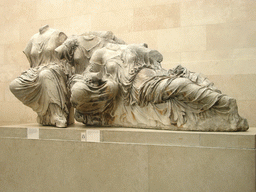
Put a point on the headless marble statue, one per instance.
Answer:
(43, 86)
(112, 83)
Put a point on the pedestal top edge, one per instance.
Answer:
(80, 126)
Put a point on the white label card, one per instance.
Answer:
(93, 135)
(33, 133)
(83, 136)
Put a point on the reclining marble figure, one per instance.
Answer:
(111, 83)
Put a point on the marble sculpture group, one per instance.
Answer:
(110, 83)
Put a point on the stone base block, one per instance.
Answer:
(78, 158)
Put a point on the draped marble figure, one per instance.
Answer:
(43, 86)
(111, 83)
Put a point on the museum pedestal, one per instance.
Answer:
(78, 158)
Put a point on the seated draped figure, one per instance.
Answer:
(43, 86)
(111, 83)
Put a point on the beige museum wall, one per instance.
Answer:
(214, 37)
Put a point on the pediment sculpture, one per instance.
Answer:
(111, 83)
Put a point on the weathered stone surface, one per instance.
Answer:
(111, 83)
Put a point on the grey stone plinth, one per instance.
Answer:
(126, 159)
